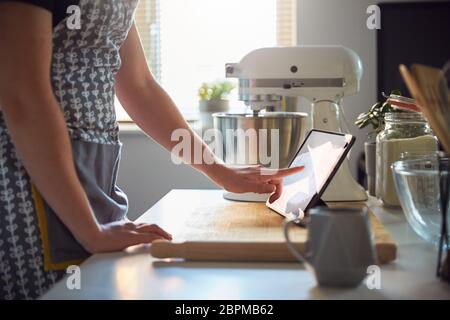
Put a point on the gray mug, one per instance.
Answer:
(339, 248)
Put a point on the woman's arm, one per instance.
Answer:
(156, 114)
(37, 127)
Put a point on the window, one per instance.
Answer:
(188, 42)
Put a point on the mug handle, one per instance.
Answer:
(297, 254)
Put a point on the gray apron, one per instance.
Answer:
(97, 167)
(84, 66)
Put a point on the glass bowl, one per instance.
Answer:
(417, 185)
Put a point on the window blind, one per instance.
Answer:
(148, 21)
(286, 22)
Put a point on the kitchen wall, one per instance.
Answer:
(147, 173)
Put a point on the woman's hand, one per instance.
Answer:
(119, 235)
(252, 179)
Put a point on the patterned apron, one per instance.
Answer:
(35, 246)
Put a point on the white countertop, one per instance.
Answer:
(134, 274)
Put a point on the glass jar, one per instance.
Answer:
(403, 132)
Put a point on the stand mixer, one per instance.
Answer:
(321, 74)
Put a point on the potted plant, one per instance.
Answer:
(213, 98)
(374, 118)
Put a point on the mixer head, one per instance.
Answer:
(314, 72)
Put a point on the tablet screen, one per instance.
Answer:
(321, 155)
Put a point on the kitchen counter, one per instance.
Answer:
(135, 274)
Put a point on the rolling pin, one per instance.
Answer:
(224, 251)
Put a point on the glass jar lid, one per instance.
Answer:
(404, 117)
(403, 103)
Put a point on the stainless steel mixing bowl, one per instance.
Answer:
(273, 136)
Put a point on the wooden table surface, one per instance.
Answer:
(134, 274)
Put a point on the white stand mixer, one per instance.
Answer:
(323, 75)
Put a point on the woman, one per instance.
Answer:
(59, 147)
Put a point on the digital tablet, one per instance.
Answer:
(321, 154)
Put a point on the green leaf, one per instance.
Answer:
(375, 115)
(376, 106)
(361, 116)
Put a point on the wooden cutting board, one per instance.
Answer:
(242, 231)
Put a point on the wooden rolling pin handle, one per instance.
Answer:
(166, 249)
(163, 249)
(223, 251)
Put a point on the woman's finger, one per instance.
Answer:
(267, 174)
(129, 225)
(153, 228)
(280, 173)
(119, 240)
(261, 188)
(144, 237)
(278, 183)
